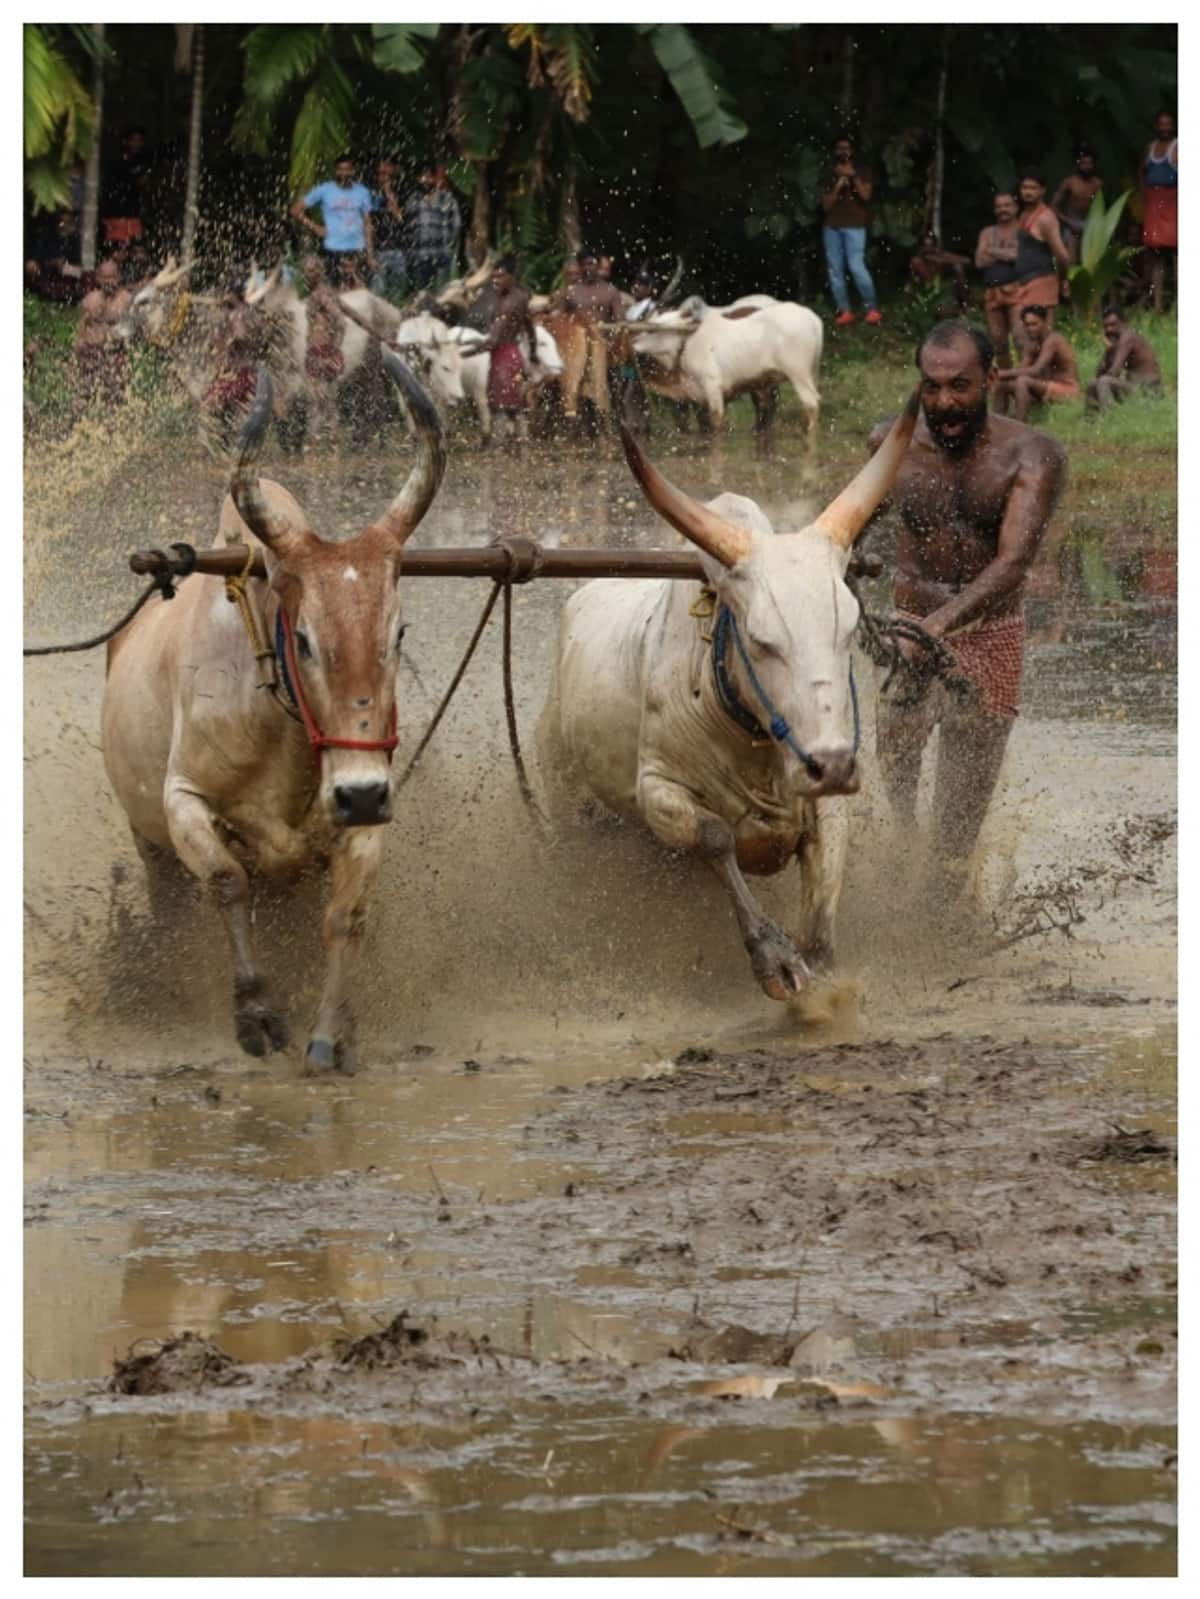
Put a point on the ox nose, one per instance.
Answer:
(839, 771)
(362, 804)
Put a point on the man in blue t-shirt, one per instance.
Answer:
(345, 229)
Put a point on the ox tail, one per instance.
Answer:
(844, 518)
(720, 539)
(417, 495)
(264, 520)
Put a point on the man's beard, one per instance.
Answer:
(972, 426)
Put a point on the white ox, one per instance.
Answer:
(207, 766)
(710, 354)
(733, 752)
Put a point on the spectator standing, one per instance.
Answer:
(1020, 257)
(845, 202)
(1128, 362)
(1073, 200)
(124, 195)
(345, 229)
(1160, 202)
(433, 226)
(388, 222)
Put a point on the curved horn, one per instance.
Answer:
(722, 540)
(844, 518)
(414, 499)
(267, 525)
(676, 278)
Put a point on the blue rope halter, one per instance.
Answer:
(777, 726)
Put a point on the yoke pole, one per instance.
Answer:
(525, 560)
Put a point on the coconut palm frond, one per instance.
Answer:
(57, 106)
(323, 125)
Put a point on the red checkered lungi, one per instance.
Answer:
(324, 363)
(991, 654)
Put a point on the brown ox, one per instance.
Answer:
(206, 765)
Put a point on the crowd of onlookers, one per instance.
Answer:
(397, 243)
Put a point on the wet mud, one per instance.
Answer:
(603, 1264)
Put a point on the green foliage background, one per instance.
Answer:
(650, 138)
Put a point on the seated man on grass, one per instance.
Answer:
(1048, 371)
(1128, 362)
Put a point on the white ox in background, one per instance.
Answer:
(733, 752)
(208, 767)
(710, 354)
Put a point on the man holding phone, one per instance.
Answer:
(845, 202)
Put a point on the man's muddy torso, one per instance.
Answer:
(101, 313)
(951, 508)
(595, 302)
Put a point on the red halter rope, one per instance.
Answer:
(316, 738)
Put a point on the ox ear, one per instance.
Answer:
(280, 535)
(401, 518)
(844, 518)
(711, 533)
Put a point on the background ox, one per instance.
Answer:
(208, 766)
(637, 717)
(710, 354)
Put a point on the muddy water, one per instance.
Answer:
(940, 1285)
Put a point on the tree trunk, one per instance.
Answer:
(939, 146)
(191, 202)
(846, 105)
(570, 231)
(481, 217)
(91, 173)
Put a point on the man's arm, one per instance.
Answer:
(864, 187)
(983, 249)
(298, 211)
(829, 195)
(1031, 500)
(369, 236)
(1051, 235)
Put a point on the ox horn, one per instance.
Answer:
(668, 293)
(415, 498)
(843, 519)
(720, 539)
(265, 522)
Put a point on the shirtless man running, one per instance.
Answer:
(1047, 372)
(1128, 362)
(975, 494)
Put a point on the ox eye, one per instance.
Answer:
(304, 647)
(400, 632)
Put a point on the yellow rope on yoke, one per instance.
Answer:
(264, 655)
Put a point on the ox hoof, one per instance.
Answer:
(778, 965)
(325, 1055)
(260, 1030)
